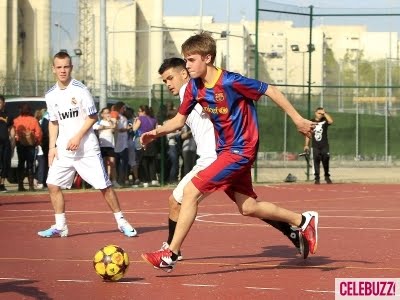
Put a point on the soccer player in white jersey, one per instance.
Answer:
(74, 147)
(175, 76)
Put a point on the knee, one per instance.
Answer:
(248, 208)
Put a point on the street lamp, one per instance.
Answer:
(310, 48)
(296, 49)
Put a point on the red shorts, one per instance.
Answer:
(229, 172)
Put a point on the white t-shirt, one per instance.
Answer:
(203, 133)
(106, 136)
(70, 107)
(121, 140)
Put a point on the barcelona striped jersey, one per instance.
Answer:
(229, 103)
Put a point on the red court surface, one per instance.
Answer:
(226, 255)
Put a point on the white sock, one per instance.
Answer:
(119, 217)
(60, 221)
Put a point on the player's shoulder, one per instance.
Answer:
(52, 89)
(77, 84)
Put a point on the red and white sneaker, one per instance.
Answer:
(160, 259)
(165, 245)
(310, 230)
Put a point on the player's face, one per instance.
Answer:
(174, 79)
(197, 65)
(62, 68)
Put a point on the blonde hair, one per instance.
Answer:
(202, 44)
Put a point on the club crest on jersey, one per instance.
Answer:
(219, 97)
(73, 101)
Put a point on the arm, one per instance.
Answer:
(328, 118)
(53, 133)
(173, 124)
(307, 144)
(38, 132)
(73, 143)
(303, 126)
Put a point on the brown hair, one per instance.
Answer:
(202, 44)
(62, 55)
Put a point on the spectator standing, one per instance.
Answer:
(121, 143)
(28, 136)
(320, 144)
(7, 143)
(146, 157)
(105, 133)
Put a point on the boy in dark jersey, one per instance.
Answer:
(228, 99)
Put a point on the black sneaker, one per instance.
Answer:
(3, 188)
(299, 242)
(316, 181)
(328, 180)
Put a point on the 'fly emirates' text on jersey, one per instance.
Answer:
(70, 107)
(229, 103)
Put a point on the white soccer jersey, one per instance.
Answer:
(203, 133)
(70, 107)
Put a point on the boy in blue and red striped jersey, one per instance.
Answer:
(228, 99)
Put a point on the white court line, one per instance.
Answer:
(262, 288)
(200, 219)
(73, 280)
(10, 278)
(317, 291)
(200, 285)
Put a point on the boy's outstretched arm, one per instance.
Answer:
(304, 126)
(173, 124)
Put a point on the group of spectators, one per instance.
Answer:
(28, 133)
(119, 130)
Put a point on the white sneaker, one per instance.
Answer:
(155, 183)
(165, 246)
(126, 228)
(145, 184)
(39, 186)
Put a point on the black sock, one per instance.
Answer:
(303, 220)
(174, 256)
(171, 230)
(281, 226)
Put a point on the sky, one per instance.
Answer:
(63, 10)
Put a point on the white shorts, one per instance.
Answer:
(91, 169)
(178, 191)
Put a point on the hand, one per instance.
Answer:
(306, 148)
(148, 137)
(305, 127)
(52, 154)
(73, 143)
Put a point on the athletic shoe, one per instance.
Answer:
(328, 180)
(127, 228)
(53, 231)
(136, 184)
(116, 185)
(296, 237)
(165, 246)
(316, 181)
(3, 188)
(310, 230)
(161, 259)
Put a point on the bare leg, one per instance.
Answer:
(187, 215)
(57, 198)
(174, 208)
(265, 210)
(112, 200)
